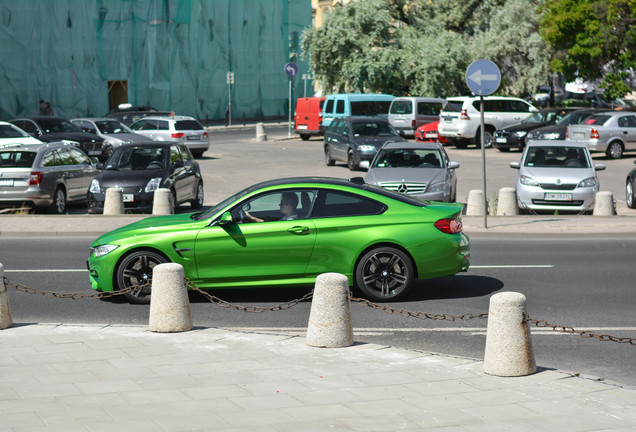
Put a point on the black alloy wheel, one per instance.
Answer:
(135, 270)
(384, 274)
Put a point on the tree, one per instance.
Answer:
(423, 48)
(592, 39)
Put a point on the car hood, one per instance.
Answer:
(152, 225)
(130, 137)
(377, 141)
(523, 127)
(420, 175)
(81, 137)
(563, 175)
(127, 178)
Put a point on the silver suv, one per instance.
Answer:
(44, 175)
(181, 129)
(460, 118)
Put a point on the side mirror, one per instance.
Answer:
(599, 167)
(178, 164)
(100, 165)
(453, 165)
(514, 165)
(226, 219)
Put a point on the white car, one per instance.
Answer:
(460, 118)
(556, 176)
(11, 134)
(181, 129)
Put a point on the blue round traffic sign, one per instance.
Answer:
(291, 69)
(483, 77)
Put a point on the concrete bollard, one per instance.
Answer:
(113, 202)
(169, 303)
(5, 310)
(330, 316)
(604, 204)
(162, 202)
(508, 345)
(475, 205)
(507, 202)
(260, 132)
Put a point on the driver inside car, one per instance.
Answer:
(288, 208)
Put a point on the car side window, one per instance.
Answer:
(143, 125)
(30, 128)
(185, 153)
(174, 154)
(338, 204)
(340, 106)
(329, 106)
(65, 157)
(49, 158)
(163, 125)
(627, 121)
(289, 204)
(518, 106)
(79, 157)
(429, 108)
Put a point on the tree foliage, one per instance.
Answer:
(423, 47)
(592, 39)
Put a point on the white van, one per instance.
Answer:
(406, 114)
(460, 119)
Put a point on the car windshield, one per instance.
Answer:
(112, 127)
(408, 158)
(372, 128)
(16, 159)
(575, 117)
(10, 131)
(137, 158)
(212, 210)
(57, 125)
(536, 118)
(556, 157)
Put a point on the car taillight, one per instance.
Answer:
(465, 115)
(413, 123)
(178, 135)
(567, 132)
(594, 134)
(205, 134)
(35, 178)
(449, 226)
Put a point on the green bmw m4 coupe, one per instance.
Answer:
(285, 233)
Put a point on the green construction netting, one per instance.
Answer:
(172, 54)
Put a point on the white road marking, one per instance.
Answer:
(46, 271)
(477, 331)
(512, 266)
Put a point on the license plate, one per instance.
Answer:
(501, 140)
(94, 152)
(558, 197)
(302, 127)
(6, 182)
(194, 138)
(431, 135)
(448, 120)
(128, 197)
(578, 135)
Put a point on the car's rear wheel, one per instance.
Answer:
(614, 150)
(304, 137)
(173, 201)
(630, 194)
(384, 274)
(135, 270)
(328, 159)
(197, 202)
(59, 201)
(351, 161)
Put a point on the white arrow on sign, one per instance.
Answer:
(478, 77)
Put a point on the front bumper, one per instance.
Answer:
(538, 199)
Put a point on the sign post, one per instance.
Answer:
(291, 70)
(305, 78)
(230, 81)
(483, 79)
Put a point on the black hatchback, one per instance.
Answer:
(356, 140)
(51, 129)
(140, 169)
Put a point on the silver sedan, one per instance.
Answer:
(612, 133)
(556, 176)
(421, 170)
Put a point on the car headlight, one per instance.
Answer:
(102, 250)
(521, 134)
(153, 184)
(588, 182)
(366, 148)
(95, 187)
(436, 187)
(528, 181)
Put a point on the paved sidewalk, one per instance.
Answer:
(125, 378)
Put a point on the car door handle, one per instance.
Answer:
(299, 230)
(625, 132)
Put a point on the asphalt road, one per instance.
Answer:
(581, 283)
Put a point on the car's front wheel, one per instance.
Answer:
(614, 150)
(384, 274)
(135, 270)
(328, 159)
(351, 161)
(630, 194)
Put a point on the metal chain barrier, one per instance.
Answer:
(250, 309)
(288, 305)
(73, 296)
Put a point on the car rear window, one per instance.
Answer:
(16, 159)
(182, 125)
(402, 107)
(597, 120)
(453, 106)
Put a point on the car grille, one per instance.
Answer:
(405, 187)
(552, 186)
(92, 145)
(559, 203)
(502, 134)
